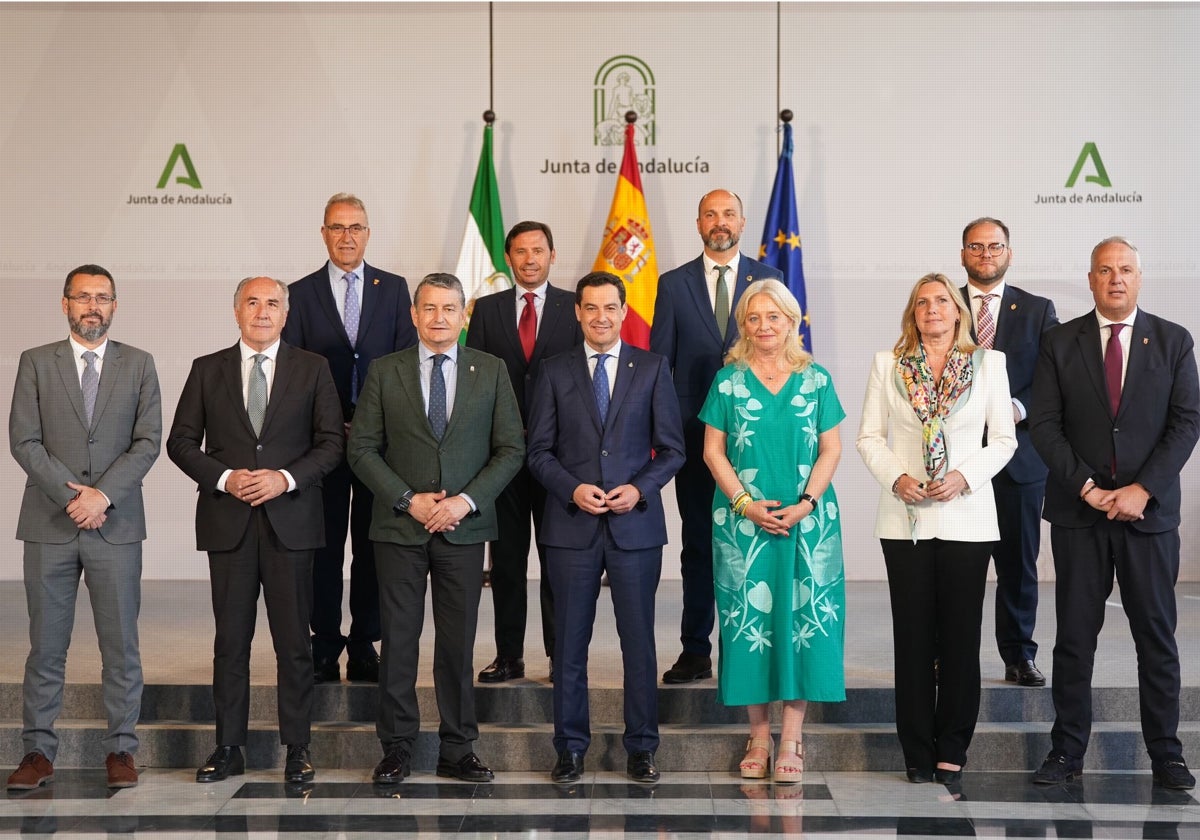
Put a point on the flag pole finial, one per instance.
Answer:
(489, 116)
(786, 115)
(631, 117)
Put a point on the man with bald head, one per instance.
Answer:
(1115, 416)
(258, 426)
(694, 328)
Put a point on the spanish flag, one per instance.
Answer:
(627, 249)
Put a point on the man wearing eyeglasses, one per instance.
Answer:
(1012, 320)
(351, 313)
(85, 426)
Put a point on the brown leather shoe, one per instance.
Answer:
(122, 771)
(34, 771)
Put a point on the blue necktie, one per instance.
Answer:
(90, 383)
(351, 320)
(437, 397)
(600, 386)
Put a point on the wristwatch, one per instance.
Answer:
(403, 503)
(805, 497)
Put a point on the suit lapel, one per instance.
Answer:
(1088, 342)
(553, 311)
(368, 304)
(743, 281)
(70, 377)
(583, 381)
(1006, 319)
(697, 286)
(1135, 369)
(626, 371)
(231, 372)
(505, 311)
(108, 375)
(410, 380)
(466, 374)
(284, 367)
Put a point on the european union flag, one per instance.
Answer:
(781, 234)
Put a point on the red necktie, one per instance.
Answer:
(527, 326)
(1113, 358)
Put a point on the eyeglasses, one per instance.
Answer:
(993, 248)
(353, 230)
(84, 299)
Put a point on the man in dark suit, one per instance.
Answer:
(522, 329)
(85, 427)
(604, 437)
(437, 437)
(257, 427)
(694, 328)
(351, 313)
(1115, 416)
(1012, 320)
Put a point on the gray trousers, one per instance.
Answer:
(113, 574)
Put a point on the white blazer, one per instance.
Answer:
(972, 516)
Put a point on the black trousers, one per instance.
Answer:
(1019, 514)
(1146, 567)
(456, 575)
(522, 498)
(347, 505)
(286, 581)
(936, 589)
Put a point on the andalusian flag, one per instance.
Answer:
(628, 248)
(781, 234)
(481, 266)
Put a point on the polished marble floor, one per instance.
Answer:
(344, 804)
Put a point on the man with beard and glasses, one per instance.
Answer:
(1009, 319)
(694, 328)
(85, 426)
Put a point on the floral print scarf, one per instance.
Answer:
(933, 402)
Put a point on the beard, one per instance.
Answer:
(989, 275)
(721, 239)
(90, 332)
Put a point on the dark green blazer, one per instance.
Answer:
(393, 450)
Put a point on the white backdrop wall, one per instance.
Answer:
(910, 120)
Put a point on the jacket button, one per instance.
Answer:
(258, 447)
(604, 452)
(84, 473)
(91, 440)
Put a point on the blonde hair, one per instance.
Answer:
(910, 339)
(793, 348)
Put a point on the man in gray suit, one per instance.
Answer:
(85, 426)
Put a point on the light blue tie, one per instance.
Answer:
(437, 397)
(256, 399)
(90, 383)
(350, 318)
(600, 386)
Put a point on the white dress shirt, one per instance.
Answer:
(248, 354)
(710, 279)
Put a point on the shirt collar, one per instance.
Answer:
(539, 292)
(710, 264)
(249, 352)
(336, 274)
(425, 354)
(613, 352)
(78, 349)
(1128, 320)
(997, 290)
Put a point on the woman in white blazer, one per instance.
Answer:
(930, 400)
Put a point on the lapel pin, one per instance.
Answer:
(749, 279)
(1013, 307)
(1145, 341)
(376, 282)
(631, 364)
(472, 368)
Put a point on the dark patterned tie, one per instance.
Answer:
(721, 310)
(90, 383)
(350, 318)
(600, 386)
(437, 397)
(986, 327)
(256, 398)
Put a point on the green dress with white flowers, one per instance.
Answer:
(780, 599)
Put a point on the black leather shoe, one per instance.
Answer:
(363, 670)
(689, 667)
(1025, 673)
(1173, 775)
(568, 769)
(467, 769)
(298, 767)
(918, 776)
(944, 776)
(1058, 768)
(223, 763)
(395, 767)
(503, 668)
(641, 768)
(326, 669)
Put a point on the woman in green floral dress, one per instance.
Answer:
(772, 444)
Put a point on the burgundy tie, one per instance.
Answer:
(985, 328)
(527, 326)
(1113, 357)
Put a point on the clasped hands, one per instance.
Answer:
(910, 491)
(1125, 504)
(768, 515)
(591, 499)
(437, 512)
(255, 487)
(87, 509)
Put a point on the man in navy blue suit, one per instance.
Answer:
(1009, 319)
(694, 328)
(604, 437)
(1115, 415)
(351, 313)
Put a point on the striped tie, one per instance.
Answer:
(986, 328)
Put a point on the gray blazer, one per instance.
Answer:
(50, 441)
